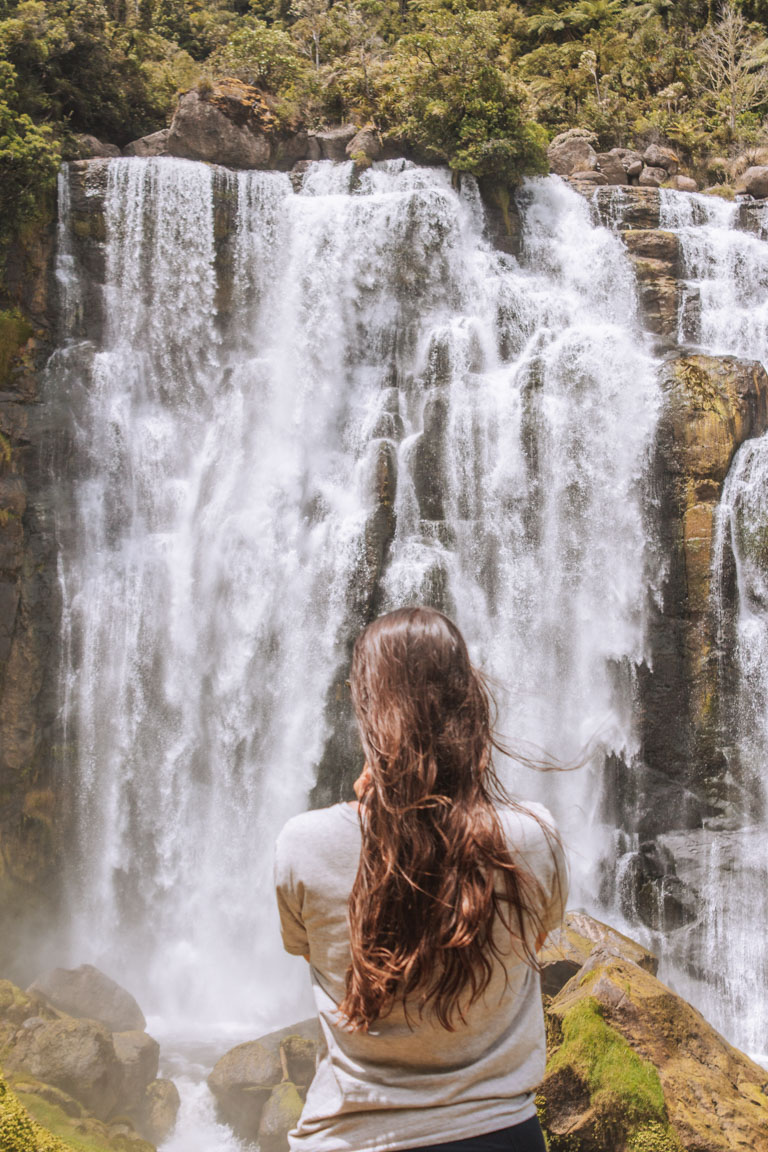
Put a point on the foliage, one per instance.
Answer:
(478, 83)
(446, 93)
(18, 1131)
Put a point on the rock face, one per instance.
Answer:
(656, 258)
(30, 790)
(259, 1086)
(712, 406)
(87, 992)
(631, 1066)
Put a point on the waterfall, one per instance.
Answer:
(725, 311)
(343, 400)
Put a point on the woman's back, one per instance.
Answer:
(408, 1080)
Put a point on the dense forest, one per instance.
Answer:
(481, 84)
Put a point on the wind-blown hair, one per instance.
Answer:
(435, 871)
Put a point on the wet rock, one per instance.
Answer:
(654, 244)
(653, 177)
(365, 144)
(629, 207)
(160, 1109)
(90, 147)
(243, 1080)
(572, 151)
(655, 255)
(664, 158)
(77, 1056)
(754, 181)
(281, 1113)
(570, 946)
(502, 218)
(155, 144)
(87, 992)
(230, 124)
(333, 142)
(632, 1065)
(712, 405)
(138, 1055)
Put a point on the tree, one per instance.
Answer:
(448, 95)
(732, 63)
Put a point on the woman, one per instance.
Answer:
(420, 910)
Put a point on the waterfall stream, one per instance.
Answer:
(351, 402)
(725, 311)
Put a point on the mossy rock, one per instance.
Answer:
(15, 330)
(63, 1121)
(633, 1068)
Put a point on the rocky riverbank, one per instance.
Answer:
(77, 1062)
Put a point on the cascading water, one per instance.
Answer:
(230, 431)
(725, 311)
(223, 497)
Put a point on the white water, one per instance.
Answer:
(224, 478)
(727, 271)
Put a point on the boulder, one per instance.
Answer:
(633, 1066)
(333, 142)
(365, 144)
(87, 992)
(154, 145)
(684, 184)
(138, 1055)
(90, 147)
(229, 124)
(754, 181)
(77, 1056)
(161, 1106)
(243, 1080)
(651, 177)
(570, 946)
(657, 157)
(633, 163)
(612, 167)
(281, 1113)
(572, 151)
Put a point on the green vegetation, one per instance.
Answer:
(18, 1131)
(625, 1090)
(481, 84)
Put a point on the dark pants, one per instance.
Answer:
(525, 1137)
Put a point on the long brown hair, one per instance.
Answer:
(435, 871)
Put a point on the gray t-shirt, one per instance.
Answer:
(410, 1083)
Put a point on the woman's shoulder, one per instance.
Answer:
(317, 829)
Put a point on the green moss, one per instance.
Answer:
(14, 331)
(78, 1134)
(625, 1090)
